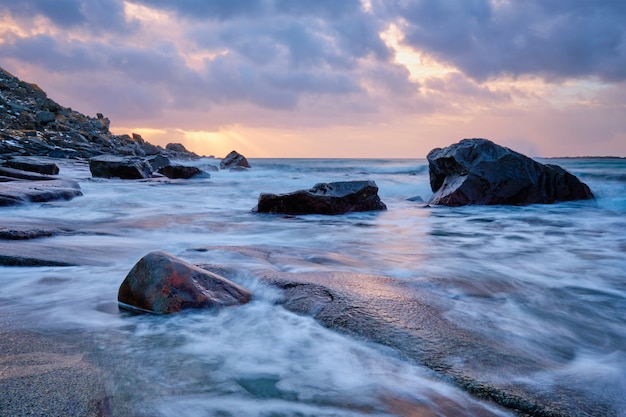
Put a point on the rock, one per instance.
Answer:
(33, 165)
(325, 198)
(111, 166)
(44, 117)
(158, 161)
(478, 171)
(161, 283)
(137, 138)
(175, 147)
(20, 192)
(23, 175)
(179, 171)
(234, 160)
(179, 151)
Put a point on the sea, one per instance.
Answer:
(546, 280)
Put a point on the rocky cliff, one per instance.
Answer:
(33, 124)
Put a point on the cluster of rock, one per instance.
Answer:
(24, 180)
(133, 168)
(33, 124)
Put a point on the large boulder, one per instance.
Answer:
(324, 198)
(478, 171)
(112, 166)
(161, 283)
(180, 171)
(234, 160)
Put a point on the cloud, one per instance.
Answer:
(431, 65)
(553, 39)
(94, 16)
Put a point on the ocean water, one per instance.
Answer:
(547, 280)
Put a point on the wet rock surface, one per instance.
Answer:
(413, 320)
(21, 192)
(478, 171)
(161, 283)
(414, 323)
(324, 198)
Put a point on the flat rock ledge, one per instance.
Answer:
(22, 192)
(160, 283)
(324, 198)
(414, 323)
(478, 171)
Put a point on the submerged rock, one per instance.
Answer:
(478, 171)
(180, 171)
(20, 192)
(324, 198)
(161, 283)
(111, 166)
(234, 161)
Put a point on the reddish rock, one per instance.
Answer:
(161, 283)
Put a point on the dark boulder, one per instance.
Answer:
(478, 171)
(180, 171)
(161, 283)
(20, 192)
(111, 166)
(325, 198)
(33, 165)
(234, 160)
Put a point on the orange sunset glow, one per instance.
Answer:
(326, 79)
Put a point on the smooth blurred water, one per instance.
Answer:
(549, 279)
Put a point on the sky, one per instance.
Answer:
(333, 78)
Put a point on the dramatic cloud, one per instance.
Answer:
(556, 39)
(423, 72)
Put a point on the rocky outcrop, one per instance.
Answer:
(324, 198)
(111, 166)
(234, 161)
(161, 283)
(33, 124)
(180, 171)
(27, 180)
(478, 171)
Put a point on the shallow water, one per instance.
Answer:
(545, 279)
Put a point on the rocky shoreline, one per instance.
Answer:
(34, 130)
